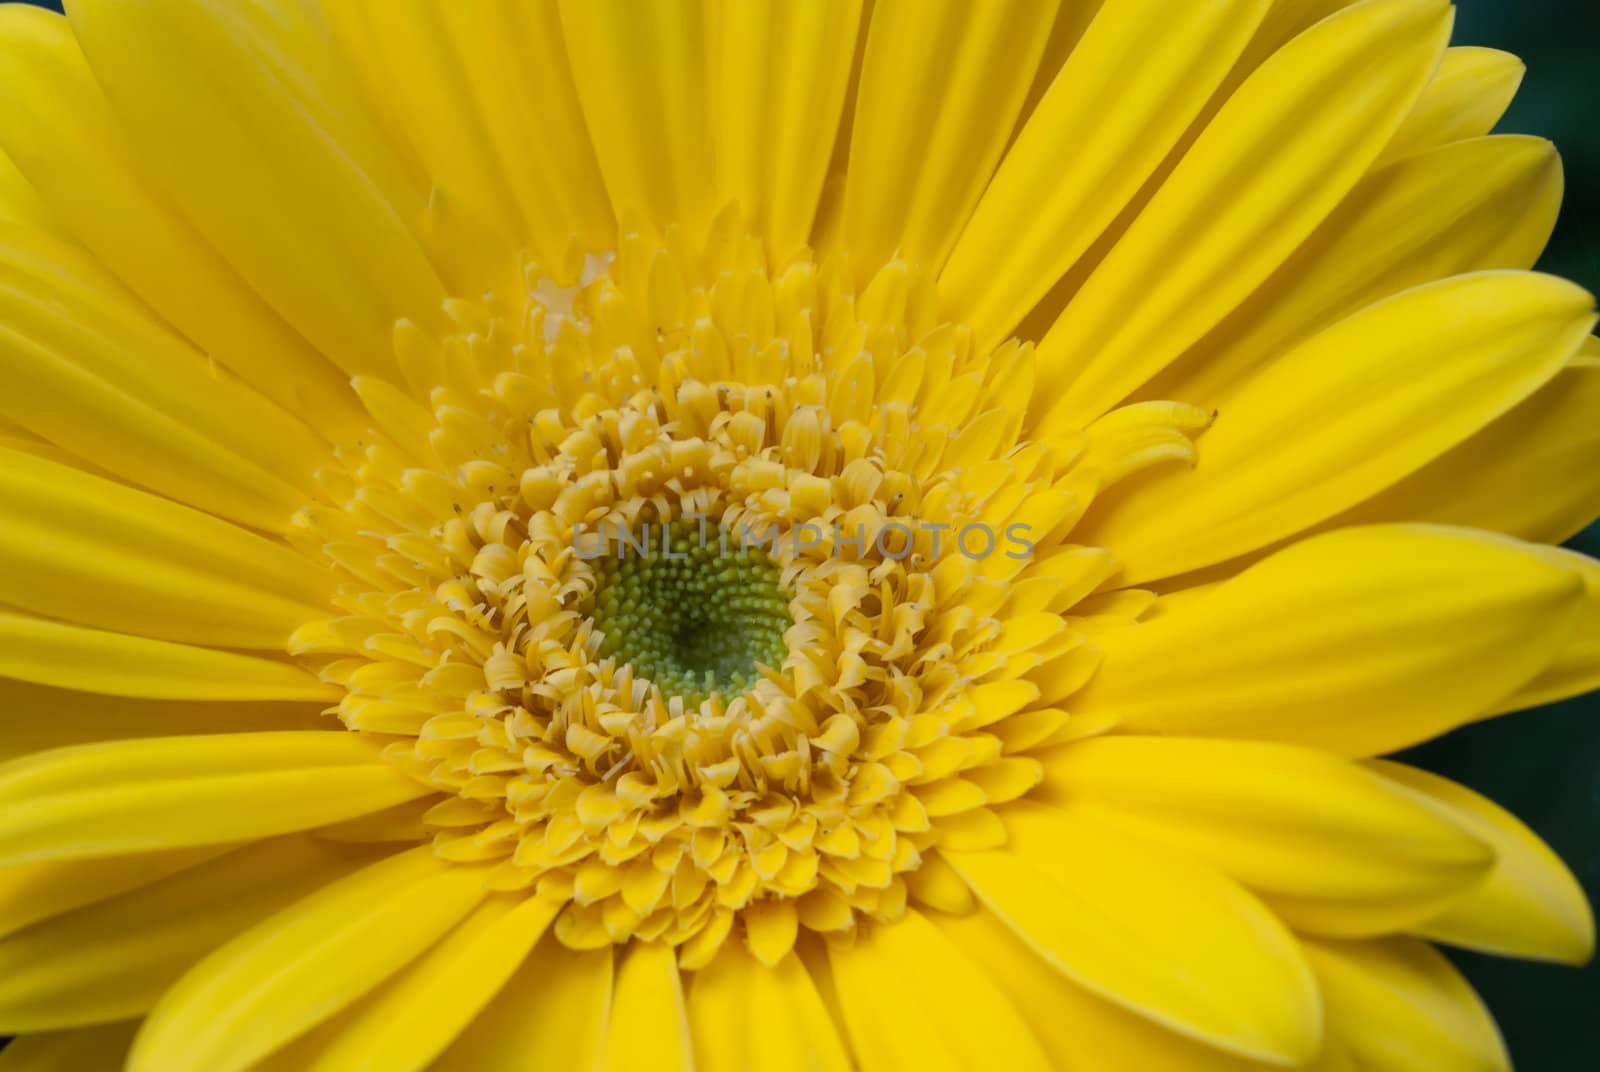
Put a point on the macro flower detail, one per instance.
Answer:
(774, 535)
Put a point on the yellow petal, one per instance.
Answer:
(1534, 473)
(552, 1014)
(1360, 641)
(770, 927)
(25, 442)
(1273, 163)
(514, 57)
(642, 79)
(746, 1015)
(60, 133)
(305, 963)
(271, 162)
(431, 83)
(1150, 930)
(297, 1055)
(649, 1026)
(290, 44)
(1331, 848)
(1135, 81)
(114, 959)
(1070, 24)
(19, 201)
(782, 71)
(173, 792)
(84, 1049)
(1077, 1029)
(89, 550)
(911, 998)
(1347, 414)
(1530, 907)
(1468, 94)
(1398, 1006)
(1287, 20)
(1576, 667)
(49, 653)
(1465, 207)
(939, 886)
(941, 83)
(88, 368)
(407, 1023)
(37, 718)
(31, 892)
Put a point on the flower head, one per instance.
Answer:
(772, 535)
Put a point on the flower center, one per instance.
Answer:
(693, 612)
(677, 740)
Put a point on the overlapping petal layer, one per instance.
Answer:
(328, 329)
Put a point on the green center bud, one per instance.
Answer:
(694, 618)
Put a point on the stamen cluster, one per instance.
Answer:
(692, 615)
(772, 737)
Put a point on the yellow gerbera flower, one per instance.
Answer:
(773, 535)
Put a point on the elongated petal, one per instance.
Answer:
(1072, 1024)
(1534, 473)
(173, 792)
(642, 79)
(19, 201)
(519, 69)
(1131, 86)
(90, 550)
(1397, 1006)
(37, 718)
(1273, 163)
(414, 1017)
(113, 959)
(291, 48)
(649, 1025)
(1468, 94)
(75, 1050)
(15, 437)
(746, 1015)
(1360, 641)
(31, 892)
(941, 83)
(910, 998)
(1286, 21)
(1333, 849)
(59, 130)
(271, 162)
(49, 653)
(1347, 414)
(88, 368)
(512, 55)
(1150, 930)
(1531, 906)
(1576, 667)
(1470, 206)
(782, 73)
(431, 85)
(552, 1014)
(305, 963)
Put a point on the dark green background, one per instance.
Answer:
(1544, 765)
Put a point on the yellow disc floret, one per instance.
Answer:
(715, 594)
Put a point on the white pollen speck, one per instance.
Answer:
(595, 266)
(559, 301)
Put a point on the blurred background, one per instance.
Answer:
(1543, 765)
